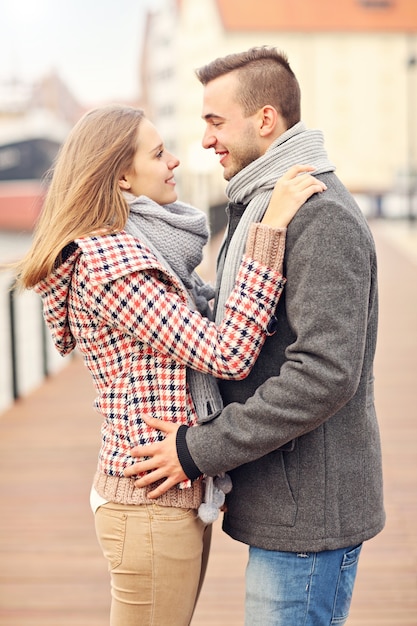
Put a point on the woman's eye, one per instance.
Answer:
(159, 154)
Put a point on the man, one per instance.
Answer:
(299, 436)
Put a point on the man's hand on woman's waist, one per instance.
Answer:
(161, 460)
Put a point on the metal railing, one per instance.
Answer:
(13, 334)
(27, 353)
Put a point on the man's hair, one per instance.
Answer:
(265, 77)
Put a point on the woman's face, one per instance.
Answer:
(152, 172)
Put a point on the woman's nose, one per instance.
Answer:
(173, 162)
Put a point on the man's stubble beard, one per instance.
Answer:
(243, 153)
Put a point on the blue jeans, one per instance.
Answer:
(304, 589)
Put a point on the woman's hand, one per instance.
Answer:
(290, 193)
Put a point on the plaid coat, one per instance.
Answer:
(129, 318)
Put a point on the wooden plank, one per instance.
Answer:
(52, 571)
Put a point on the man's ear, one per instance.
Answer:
(269, 119)
(124, 184)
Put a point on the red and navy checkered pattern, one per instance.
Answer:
(129, 318)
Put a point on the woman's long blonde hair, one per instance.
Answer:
(84, 195)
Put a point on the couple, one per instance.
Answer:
(298, 434)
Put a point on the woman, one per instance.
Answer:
(113, 258)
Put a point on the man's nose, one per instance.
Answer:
(208, 139)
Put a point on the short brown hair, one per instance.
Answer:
(265, 76)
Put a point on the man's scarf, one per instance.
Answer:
(253, 187)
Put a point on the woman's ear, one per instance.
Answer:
(124, 184)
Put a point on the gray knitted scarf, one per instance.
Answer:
(253, 187)
(176, 233)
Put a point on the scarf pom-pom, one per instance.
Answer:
(223, 482)
(208, 512)
(215, 490)
(218, 498)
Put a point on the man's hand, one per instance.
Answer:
(163, 461)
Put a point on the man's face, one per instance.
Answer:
(232, 136)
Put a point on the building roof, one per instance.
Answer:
(319, 15)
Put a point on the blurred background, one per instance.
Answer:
(356, 61)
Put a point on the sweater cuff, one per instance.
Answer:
(267, 245)
(184, 456)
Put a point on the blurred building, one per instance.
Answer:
(34, 120)
(355, 61)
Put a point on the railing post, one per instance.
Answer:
(45, 360)
(13, 341)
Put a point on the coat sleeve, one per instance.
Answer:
(328, 268)
(147, 308)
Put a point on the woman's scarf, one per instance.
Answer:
(253, 187)
(176, 233)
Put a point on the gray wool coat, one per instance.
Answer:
(300, 436)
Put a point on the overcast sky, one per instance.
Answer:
(94, 45)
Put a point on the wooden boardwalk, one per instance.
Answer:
(51, 570)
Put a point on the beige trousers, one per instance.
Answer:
(157, 558)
